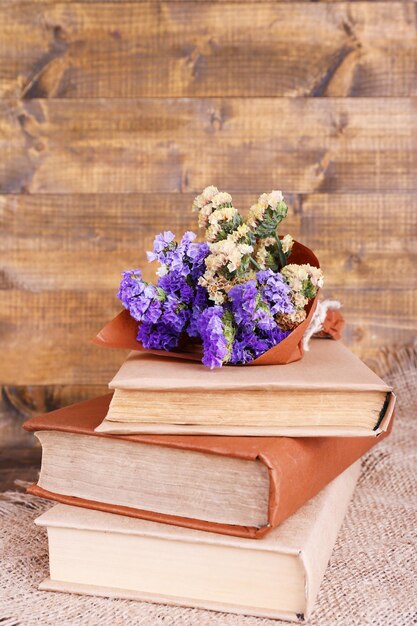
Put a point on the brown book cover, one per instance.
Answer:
(298, 468)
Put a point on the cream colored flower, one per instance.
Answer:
(316, 277)
(261, 251)
(287, 243)
(214, 262)
(244, 248)
(215, 286)
(304, 281)
(241, 232)
(289, 321)
(263, 201)
(256, 214)
(231, 250)
(212, 232)
(274, 198)
(223, 214)
(209, 193)
(221, 198)
(204, 206)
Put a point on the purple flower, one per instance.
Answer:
(184, 258)
(157, 337)
(196, 254)
(200, 304)
(187, 238)
(244, 299)
(175, 284)
(131, 285)
(247, 347)
(215, 345)
(160, 245)
(249, 311)
(257, 330)
(175, 314)
(278, 335)
(139, 297)
(275, 292)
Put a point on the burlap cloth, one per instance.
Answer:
(371, 578)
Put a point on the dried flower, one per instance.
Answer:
(289, 321)
(287, 243)
(211, 290)
(203, 204)
(265, 216)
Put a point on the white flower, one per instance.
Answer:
(244, 248)
(287, 243)
(224, 214)
(212, 232)
(162, 270)
(240, 232)
(274, 198)
(256, 214)
(301, 278)
(263, 201)
(209, 193)
(230, 251)
(221, 198)
(205, 198)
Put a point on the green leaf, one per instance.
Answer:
(160, 294)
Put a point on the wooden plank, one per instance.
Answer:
(201, 2)
(52, 346)
(168, 145)
(364, 241)
(178, 49)
(83, 242)
(19, 403)
(377, 318)
(18, 464)
(63, 255)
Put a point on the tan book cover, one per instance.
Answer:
(295, 470)
(329, 392)
(108, 555)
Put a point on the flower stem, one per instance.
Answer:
(281, 255)
(254, 263)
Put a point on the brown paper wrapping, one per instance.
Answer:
(332, 325)
(298, 467)
(121, 332)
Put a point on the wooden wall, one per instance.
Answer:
(113, 115)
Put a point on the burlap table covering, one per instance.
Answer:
(371, 578)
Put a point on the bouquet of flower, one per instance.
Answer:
(235, 292)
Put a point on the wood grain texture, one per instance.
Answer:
(179, 49)
(19, 466)
(63, 256)
(114, 114)
(166, 145)
(19, 403)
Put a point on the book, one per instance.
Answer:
(329, 392)
(241, 486)
(98, 553)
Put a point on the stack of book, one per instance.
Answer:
(216, 489)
